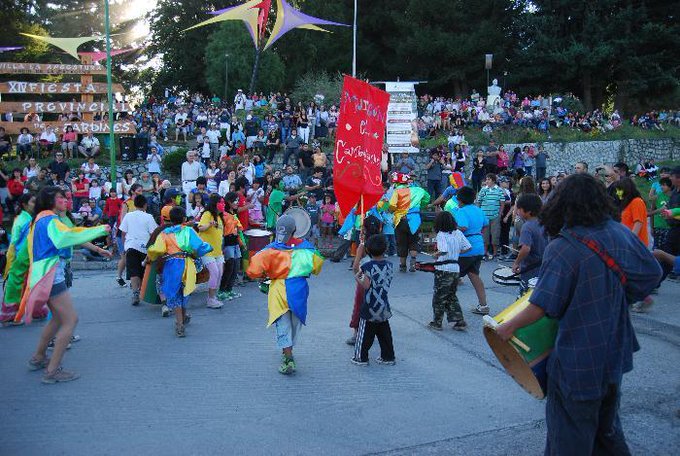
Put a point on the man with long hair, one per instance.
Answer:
(592, 270)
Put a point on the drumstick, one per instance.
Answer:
(493, 324)
(510, 248)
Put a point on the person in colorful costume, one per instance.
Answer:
(406, 202)
(49, 247)
(177, 246)
(17, 265)
(288, 262)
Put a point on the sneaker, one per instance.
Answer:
(385, 362)
(222, 296)
(165, 311)
(234, 295)
(179, 330)
(402, 268)
(434, 325)
(359, 362)
(9, 323)
(187, 318)
(459, 325)
(412, 266)
(135, 298)
(35, 365)
(642, 306)
(287, 366)
(50, 346)
(121, 282)
(351, 341)
(214, 304)
(59, 376)
(75, 338)
(481, 310)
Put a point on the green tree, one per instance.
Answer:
(444, 41)
(232, 37)
(183, 63)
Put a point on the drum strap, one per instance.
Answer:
(594, 246)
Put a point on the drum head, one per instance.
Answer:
(505, 276)
(303, 224)
(514, 364)
(255, 232)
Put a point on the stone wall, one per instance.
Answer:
(564, 155)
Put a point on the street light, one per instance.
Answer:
(226, 75)
(109, 93)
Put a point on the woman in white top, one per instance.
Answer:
(123, 187)
(247, 169)
(47, 139)
(32, 169)
(24, 144)
(154, 161)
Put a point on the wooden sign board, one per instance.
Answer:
(41, 88)
(119, 128)
(49, 68)
(57, 107)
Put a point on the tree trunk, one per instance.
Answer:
(587, 91)
(256, 67)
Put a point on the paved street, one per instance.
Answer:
(217, 391)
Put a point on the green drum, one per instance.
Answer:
(525, 356)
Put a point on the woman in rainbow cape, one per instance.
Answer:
(17, 265)
(405, 203)
(49, 247)
(288, 262)
(177, 246)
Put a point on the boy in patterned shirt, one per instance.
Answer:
(375, 276)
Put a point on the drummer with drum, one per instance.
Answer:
(592, 270)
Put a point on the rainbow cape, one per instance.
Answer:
(49, 240)
(288, 267)
(406, 202)
(17, 265)
(178, 270)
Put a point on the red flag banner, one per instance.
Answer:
(358, 144)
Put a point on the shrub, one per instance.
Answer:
(172, 161)
(318, 83)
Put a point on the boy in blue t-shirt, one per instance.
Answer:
(532, 240)
(374, 276)
(472, 222)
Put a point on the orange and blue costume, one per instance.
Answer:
(288, 265)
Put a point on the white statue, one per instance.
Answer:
(493, 100)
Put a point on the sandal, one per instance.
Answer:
(459, 325)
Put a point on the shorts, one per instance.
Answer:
(58, 288)
(469, 265)
(406, 241)
(494, 232)
(133, 263)
(288, 327)
(62, 278)
(231, 252)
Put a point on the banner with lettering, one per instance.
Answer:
(358, 145)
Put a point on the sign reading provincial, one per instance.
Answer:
(49, 68)
(40, 88)
(57, 107)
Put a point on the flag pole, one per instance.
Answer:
(354, 42)
(109, 92)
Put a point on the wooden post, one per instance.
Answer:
(85, 80)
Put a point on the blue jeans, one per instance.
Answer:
(391, 244)
(584, 427)
(284, 134)
(529, 170)
(288, 153)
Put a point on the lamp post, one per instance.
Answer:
(226, 76)
(109, 92)
(354, 42)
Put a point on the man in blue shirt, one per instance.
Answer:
(472, 222)
(591, 271)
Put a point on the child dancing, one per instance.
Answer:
(177, 246)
